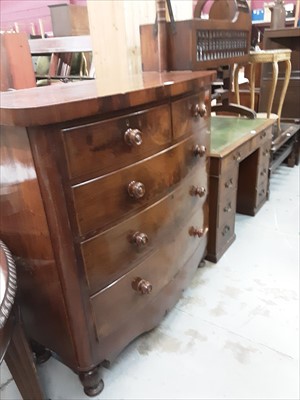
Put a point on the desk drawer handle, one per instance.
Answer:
(197, 191)
(229, 184)
(263, 172)
(199, 150)
(133, 137)
(140, 239)
(266, 153)
(263, 135)
(136, 189)
(225, 230)
(199, 110)
(237, 157)
(261, 193)
(227, 208)
(141, 286)
(198, 231)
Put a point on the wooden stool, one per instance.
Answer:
(267, 56)
(14, 347)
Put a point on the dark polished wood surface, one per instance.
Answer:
(107, 226)
(67, 102)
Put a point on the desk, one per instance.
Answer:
(238, 177)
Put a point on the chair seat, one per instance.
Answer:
(265, 115)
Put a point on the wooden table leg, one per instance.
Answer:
(252, 84)
(236, 83)
(273, 88)
(288, 68)
(21, 365)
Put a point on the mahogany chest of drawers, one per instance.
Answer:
(104, 205)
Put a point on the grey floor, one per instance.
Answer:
(233, 335)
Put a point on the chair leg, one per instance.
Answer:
(20, 362)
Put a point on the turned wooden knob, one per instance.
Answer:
(136, 189)
(197, 191)
(133, 137)
(197, 231)
(237, 156)
(229, 183)
(199, 150)
(140, 239)
(199, 110)
(141, 286)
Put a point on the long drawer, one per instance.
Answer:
(140, 286)
(112, 253)
(105, 200)
(111, 144)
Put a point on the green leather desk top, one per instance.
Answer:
(228, 131)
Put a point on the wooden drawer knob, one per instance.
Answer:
(140, 239)
(263, 134)
(199, 110)
(228, 207)
(141, 286)
(198, 231)
(263, 172)
(229, 183)
(197, 191)
(225, 230)
(199, 150)
(133, 137)
(237, 156)
(136, 189)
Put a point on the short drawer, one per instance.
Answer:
(263, 173)
(111, 144)
(225, 232)
(101, 202)
(132, 292)
(191, 114)
(227, 208)
(263, 137)
(264, 153)
(261, 192)
(228, 183)
(112, 253)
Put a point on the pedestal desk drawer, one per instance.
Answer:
(264, 154)
(111, 254)
(227, 209)
(105, 200)
(226, 231)
(191, 114)
(261, 192)
(138, 287)
(110, 144)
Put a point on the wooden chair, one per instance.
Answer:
(14, 348)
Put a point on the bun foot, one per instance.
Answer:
(92, 382)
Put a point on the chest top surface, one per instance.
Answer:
(66, 102)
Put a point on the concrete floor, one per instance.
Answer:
(233, 335)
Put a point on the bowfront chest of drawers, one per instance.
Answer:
(238, 182)
(104, 205)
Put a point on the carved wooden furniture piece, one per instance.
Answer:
(106, 209)
(14, 348)
(238, 181)
(273, 57)
(202, 44)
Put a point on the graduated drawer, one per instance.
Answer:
(120, 300)
(112, 253)
(103, 201)
(227, 208)
(264, 154)
(225, 232)
(191, 114)
(110, 144)
(261, 192)
(228, 183)
(263, 172)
